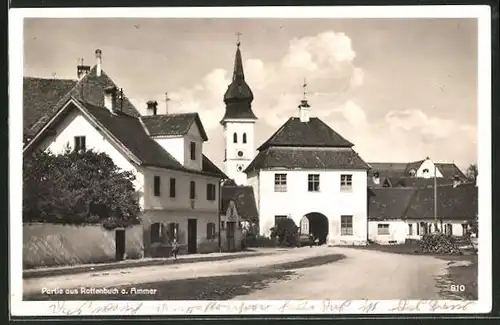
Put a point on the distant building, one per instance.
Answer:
(178, 185)
(397, 214)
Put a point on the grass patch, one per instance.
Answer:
(207, 288)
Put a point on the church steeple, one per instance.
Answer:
(238, 97)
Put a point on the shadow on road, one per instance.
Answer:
(295, 265)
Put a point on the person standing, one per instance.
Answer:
(175, 247)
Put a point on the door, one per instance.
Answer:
(192, 233)
(231, 227)
(120, 244)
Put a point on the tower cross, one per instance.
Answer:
(167, 99)
(238, 34)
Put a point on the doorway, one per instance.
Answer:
(231, 227)
(120, 244)
(192, 233)
(317, 226)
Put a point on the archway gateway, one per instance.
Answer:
(315, 224)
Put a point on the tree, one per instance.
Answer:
(472, 172)
(78, 188)
(286, 233)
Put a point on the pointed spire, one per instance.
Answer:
(238, 73)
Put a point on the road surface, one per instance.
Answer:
(316, 273)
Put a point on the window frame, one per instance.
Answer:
(244, 138)
(280, 182)
(383, 229)
(192, 150)
(79, 143)
(211, 192)
(279, 217)
(172, 187)
(410, 229)
(345, 230)
(346, 182)
(312, 180)
(156, 185)
(192, 190)
(211, 231)
(235, 137)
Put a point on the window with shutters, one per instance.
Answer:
(346, 226)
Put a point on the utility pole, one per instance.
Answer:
(435, 198)
(166, 102)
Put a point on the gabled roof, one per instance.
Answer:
(40, 97)
(307, 158)
(40, 103)
(389, 203)
(243, 197)
(129, 134)
(314, 133)
(415, 165)
(450, 170)
(173, 124)
(459, 203)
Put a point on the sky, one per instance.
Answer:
(400, 89)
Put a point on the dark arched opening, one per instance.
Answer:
(235, 137)
(244, 138)
(317, 226)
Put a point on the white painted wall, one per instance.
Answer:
(231, 160)
(180, 147)
(182, 199)
(398, 231)
(253, 181)
(76, 124)
(330, 201)
(428, 164)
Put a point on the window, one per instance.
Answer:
(79, 143)
(192, 190)
(225, 154)
(235, 138)
(448, 229)
(418, 229)
(345, 182)
(278, 219)
(173, 231)
(313, 182)
(346, 225)
(425, 170)
(383, 229)
(244, 138)
(210, 230)
(410, 229)
(222, 224)
(156, 233)
(211, 192)
(172, 187)
(280, 182)
(193, 150)
(464, 229)
(156, 186)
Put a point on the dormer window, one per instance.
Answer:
(235, 137)
(193, 150)
(244, 138)
(413, 172)
(80, 144)
(426, 170)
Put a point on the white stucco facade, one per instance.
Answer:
(396, 231)
(163, 208)
(427, 169)
(239, 148)
(331, 200)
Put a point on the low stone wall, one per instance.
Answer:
(54, 244)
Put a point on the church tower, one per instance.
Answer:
(239, 124)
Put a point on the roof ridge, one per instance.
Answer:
(49, 78)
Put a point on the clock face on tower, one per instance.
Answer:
(239, 153)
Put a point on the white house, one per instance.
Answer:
(308, 172)
(178, 185)
(397, 214)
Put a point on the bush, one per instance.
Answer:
(439, 243)
(286, 233)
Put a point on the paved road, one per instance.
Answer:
(361, 274)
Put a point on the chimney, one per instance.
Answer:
(152, 107)
(98, 58)
(376, 178)
(456, 181)
(110, 98)
(304, 110)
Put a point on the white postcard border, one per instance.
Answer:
(81, 308)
